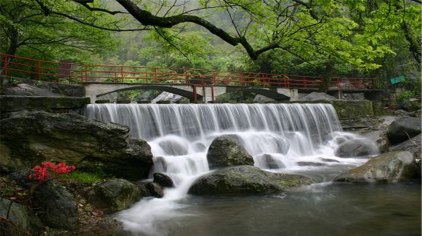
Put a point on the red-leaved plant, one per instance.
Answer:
(48, 169)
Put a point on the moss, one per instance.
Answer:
(353, 109)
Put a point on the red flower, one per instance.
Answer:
(42, 173)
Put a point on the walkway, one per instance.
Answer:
(124, 77)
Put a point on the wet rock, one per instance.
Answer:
(173, 148)
(356, 148)
(403, 129)
(55, 205)
(240, 180)
(267, 161)
(380, 139)
(21, 177)
(27, 138)
(8, 227)
(309, 163)
(114, 195)
(21, 220)
(353, 109)
(412, 145)
(163, 180)
(155, 190)
(389, 167)
(329, 160)
(227, 151)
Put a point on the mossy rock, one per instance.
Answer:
(245, 180)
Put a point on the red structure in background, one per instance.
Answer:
(68, 72)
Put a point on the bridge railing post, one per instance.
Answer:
(4, 62)
(122, 73)
(155, 74)
(39, 70)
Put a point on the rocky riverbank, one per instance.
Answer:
(112, 169)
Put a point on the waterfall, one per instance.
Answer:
(278, 136)
(185, 131)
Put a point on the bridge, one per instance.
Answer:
(196, 84)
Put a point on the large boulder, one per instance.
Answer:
(27, 138)
(114, 195)
(21, 220)
(55, 205)
(412, 145)
(239, 180)
(403, 129)
(389, 167)
(227, 151)
(356, 148)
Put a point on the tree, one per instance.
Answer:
(27, 30)
(324, 32)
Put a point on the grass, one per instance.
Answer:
(83, 177)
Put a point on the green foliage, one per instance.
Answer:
(84, 177)
(375, 38)
(30, 31)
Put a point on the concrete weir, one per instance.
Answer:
(204, 93)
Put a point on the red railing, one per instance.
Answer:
(65, 71)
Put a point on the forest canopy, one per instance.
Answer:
(321, 37)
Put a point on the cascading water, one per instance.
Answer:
(278, 136)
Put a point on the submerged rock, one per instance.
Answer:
(55, 205)
(227, 151)
(356, 148)
(389, 167)
(380, 139)
(403, 129)
(114, 195)
(155, 189)
(27, 138)
(239, 180)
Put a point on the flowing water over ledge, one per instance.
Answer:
(286, 135)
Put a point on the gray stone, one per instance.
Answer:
(316, 96)
(240, 180)
(389, 167)
(163, 180)
(412, 145)
(380, 139)
(155, 190)
(403, 129)
(356, 148)
(227, 151)
(21, 220)
(114, 195)
(55, 205)
(23, 89)
(27, 138)
(262, 99)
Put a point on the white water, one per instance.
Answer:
(278, 136)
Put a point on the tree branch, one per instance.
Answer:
(93, 25)
(147, 19)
